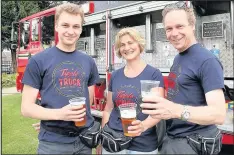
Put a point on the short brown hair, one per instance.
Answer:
(180, 6)
(134, 34)
(69, 8)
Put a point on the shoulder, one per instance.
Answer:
(85, 56)
(151, 69)
(45, 54)
(202, 53)
(116, 72)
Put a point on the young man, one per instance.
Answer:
(60, 73)
(196, 101)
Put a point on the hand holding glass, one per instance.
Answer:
(76, 102)
(128, 115)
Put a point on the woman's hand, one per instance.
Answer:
(137, 128)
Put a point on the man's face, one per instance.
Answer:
(69, 28)
(178, 31)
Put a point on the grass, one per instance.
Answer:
(18, 135)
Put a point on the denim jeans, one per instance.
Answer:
(76, 147)
(130, 152)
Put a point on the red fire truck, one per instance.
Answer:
(103, 19)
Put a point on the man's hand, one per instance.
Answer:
(99, 149)
(137, 128)
(37, 126)
(72, 113)
(162, 108)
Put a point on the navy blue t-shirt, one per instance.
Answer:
(60, 76)
(194, 72)
(128, 90)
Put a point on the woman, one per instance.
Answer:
(125, 83)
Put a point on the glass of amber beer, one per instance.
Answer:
(128, 115)
(79, 101)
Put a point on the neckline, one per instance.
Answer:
(135, 76)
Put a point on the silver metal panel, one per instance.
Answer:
(158, 58)
(223, 44)
(92, 41)
(134, 9)
(95, 18)
(100, 51)
(101, 55)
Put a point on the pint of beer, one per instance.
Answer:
(149, 88)
(128, 115)
(79, 101)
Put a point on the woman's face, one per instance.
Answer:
(129, 48)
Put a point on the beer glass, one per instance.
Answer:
(128, 115)
(149, 88)
(79, 101)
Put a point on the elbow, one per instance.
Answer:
(221, 118)
(24, 111)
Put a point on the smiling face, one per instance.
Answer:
(178, 30)
(69, 28)
(129, 48)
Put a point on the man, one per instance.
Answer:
(60, 73)
(196, 101)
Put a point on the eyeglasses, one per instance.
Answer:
(178, 5)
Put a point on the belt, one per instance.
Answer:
(61, 131)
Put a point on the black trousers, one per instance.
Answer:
(181, 146)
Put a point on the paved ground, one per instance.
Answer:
(9, 91)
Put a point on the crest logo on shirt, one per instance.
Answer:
(173, 87)
(128, 94)
(69, 79)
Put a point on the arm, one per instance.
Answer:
(30, 109)
(108, 108)
(91, 95)
(149, 121)
(213, 113)
(141, 126)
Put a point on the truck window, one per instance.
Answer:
(47, 30)
(24, 34)
(35, 33)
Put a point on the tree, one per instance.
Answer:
(13, 11)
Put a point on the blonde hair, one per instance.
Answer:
(69, 8)
(189, 12)
(132, 33)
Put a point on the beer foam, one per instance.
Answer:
(77, 103)
(128, 113)
(147, 94)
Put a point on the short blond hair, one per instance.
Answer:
(132, 32)
(188, 10)
(69, 8)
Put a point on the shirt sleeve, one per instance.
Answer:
(157, 76)
(211, 75)
(111, 81)
(32, 75)
(94, 76)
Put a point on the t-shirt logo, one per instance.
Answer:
(68, 79)
(173, 87)
(128, 94)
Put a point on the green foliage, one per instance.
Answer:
(8, 80)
